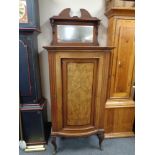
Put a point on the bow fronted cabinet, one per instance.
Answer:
(78, 69)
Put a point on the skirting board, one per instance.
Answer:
(119, 134)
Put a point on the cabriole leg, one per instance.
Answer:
(101, 138)
(54, 145)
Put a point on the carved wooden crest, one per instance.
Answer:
(65, 15)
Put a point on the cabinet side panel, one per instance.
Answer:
(56, 119)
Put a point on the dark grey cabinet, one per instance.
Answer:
(32, 104)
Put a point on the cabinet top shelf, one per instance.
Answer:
(71, 48)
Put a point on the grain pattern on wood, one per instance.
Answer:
(95, 65)
(80, 80)
(121, 73)
(120, 103)
(119, 112)
(121, 12)
(123, 59)
(110, 4)
(79, 88)
(119, 120)
(119, 134)
(77, 107)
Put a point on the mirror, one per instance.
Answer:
(75, 33)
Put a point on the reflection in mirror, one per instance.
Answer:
(75, 33)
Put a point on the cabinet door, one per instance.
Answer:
(122, 59)
(79, 77)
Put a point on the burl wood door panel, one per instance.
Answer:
(78, 89)
(122, 59)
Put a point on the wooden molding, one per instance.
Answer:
(36, 143)
(120, 103)
(77, 133)
(29, 30)
(119, 134)
(70, 48)
(130, 12)
(38, 106)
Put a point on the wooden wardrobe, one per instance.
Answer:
(119, 110)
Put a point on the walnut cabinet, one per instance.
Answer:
(119, 113)
(78, 82)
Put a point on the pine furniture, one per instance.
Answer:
(119, 109)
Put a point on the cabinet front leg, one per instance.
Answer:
(54, 145)
(101, 138)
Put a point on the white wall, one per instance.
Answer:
(49, 8)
